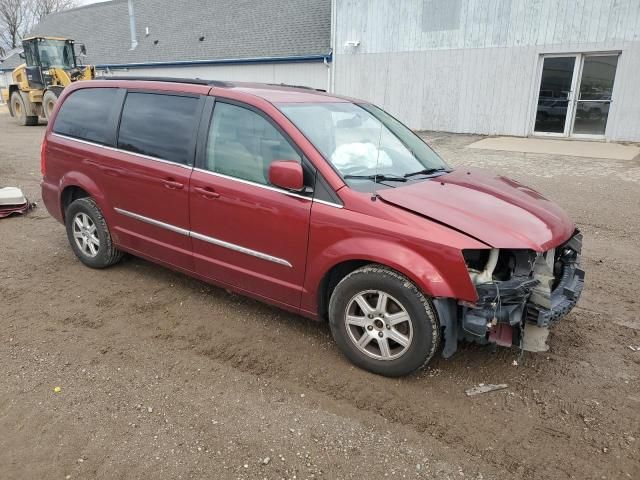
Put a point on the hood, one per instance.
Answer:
(491, 208)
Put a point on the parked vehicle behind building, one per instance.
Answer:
(321, 205)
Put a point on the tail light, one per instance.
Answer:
(43, 154)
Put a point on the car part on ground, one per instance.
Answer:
(13, 201)
(485, 388)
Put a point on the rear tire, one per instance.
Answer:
(20, 111)
(382, 322)
(89, 235)
(49, 100)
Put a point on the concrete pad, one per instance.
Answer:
(573, 148)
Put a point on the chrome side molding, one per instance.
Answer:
(151, 221)
(205, 238)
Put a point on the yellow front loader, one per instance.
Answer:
(50, 65)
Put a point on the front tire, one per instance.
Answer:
(382, 322)
(49, 100)
(20, 111)
(89, 235)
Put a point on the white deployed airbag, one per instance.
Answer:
(360, 156)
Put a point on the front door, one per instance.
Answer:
(575, 94)
(246, 232)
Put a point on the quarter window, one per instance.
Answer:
(158, 125)
(243, 144)
(87, 115)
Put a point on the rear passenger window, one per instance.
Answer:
(159, 125)
(86, 115)
(243, 144)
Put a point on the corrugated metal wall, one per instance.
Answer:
(310, 74)
(473, 65)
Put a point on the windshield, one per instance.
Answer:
(364, 143)
(55, 53)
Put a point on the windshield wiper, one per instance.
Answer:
(425, 171)
(377, 178)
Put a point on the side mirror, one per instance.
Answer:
(83, 49)
(286, 174)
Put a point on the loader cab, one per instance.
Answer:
(44, 53)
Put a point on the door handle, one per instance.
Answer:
(207, 192)
(171, 184)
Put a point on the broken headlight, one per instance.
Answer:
(492, 265)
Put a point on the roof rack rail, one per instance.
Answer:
(296, 86)
(195, 81)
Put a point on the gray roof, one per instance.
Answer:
(11, 59)
(237, 29)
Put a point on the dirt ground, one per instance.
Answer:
(163, 376)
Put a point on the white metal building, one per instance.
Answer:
(567, 68)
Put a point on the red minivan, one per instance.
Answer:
(322, 205)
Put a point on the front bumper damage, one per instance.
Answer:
(542, 289)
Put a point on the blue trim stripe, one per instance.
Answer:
(227, 61)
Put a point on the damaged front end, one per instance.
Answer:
(520, 294)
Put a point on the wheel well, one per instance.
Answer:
(55, 89)
(331, 279)
(69, 194)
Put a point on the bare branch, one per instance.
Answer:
(14, 21)
(42, 8)
(17, 17)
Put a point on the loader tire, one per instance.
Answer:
(20, 111)
(49, 100)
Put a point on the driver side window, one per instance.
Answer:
(242, 144)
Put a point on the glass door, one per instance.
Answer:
(553, 113)
(594, 95)
(560, 112)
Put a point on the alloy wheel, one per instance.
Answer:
(378, 325)
(85, 234)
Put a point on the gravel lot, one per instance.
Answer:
(163, 376)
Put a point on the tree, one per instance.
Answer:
(42, 8)
(14, 21)
(18, 16)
